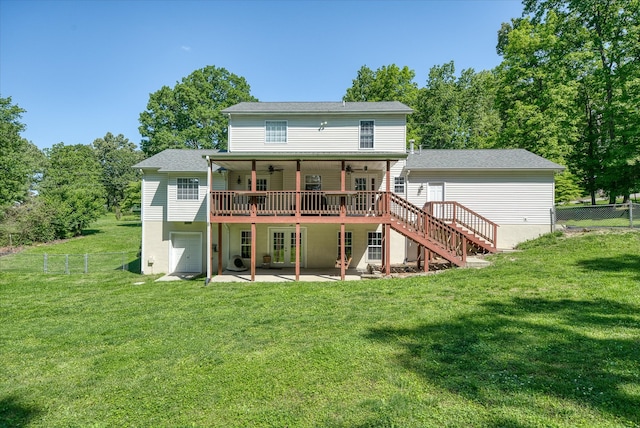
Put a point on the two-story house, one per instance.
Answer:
(332, 186)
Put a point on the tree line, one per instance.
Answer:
(58, 192)
(568, 89)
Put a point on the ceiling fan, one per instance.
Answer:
(272, 169)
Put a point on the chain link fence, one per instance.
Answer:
(69, 263)
(618, 215)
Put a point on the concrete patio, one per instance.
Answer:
(286, 275)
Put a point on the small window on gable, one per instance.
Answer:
(188, 189)
(275, 131)
(398, 185)
(366, 134)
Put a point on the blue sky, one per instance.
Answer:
(85, 68)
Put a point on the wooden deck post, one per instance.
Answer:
(427, 257)
(387, 248)
(298, 251)
(297, 188)
(342, 253)
(219, 248)
(253, 251)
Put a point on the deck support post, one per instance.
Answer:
(386, 255)
(427, 257)
(342, 252)
(297, 251)
(219, 248)
(253, 252)
(298, 188)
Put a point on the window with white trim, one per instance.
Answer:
(366, 134)
(348, 245)
(275, 131)
(374, 245)
(188, 189)
(312, 182)
(398, 185)
(245, 244)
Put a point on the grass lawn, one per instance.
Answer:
(549, 336)
(108, 245)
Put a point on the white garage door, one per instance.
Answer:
(186, 252)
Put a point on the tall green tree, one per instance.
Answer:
(537, 90)
(457, 113)
(387, 83)
(571, 71)
(72, 187)
(116, 155)
(188, 115)
(20, 160)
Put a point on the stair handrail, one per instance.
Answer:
(427, 226)
(467, 218)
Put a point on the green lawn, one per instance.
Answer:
(549, 336)
(107, 246)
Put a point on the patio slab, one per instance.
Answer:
(286, 275)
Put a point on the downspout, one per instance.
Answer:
(143, 256)
(209, 243)
(406, 197)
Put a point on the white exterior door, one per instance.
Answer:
(436, 194)
(283, 247)
(364, 182)
(186, 252)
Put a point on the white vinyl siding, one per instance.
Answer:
(186, 209)
(504, 197)
(154, 198)
(304, 133)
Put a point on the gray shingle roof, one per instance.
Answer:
(177, 160)
(318, 107)
(505, 159)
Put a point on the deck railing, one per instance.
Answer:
(275, 203)
(460, 216)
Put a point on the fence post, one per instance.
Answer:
(66, 264)
(552, 213)
(630, 214)
(45, 267)
(86, 263)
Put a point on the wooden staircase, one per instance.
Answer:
(452, 236)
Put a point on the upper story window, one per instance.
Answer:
(276, 131)
(188, 188)
(398, 185)
(366, 134)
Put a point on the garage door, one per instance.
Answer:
(186, 252)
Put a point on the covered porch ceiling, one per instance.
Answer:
(308, 161)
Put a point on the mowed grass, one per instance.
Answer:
(106, 246)
(549, 336)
